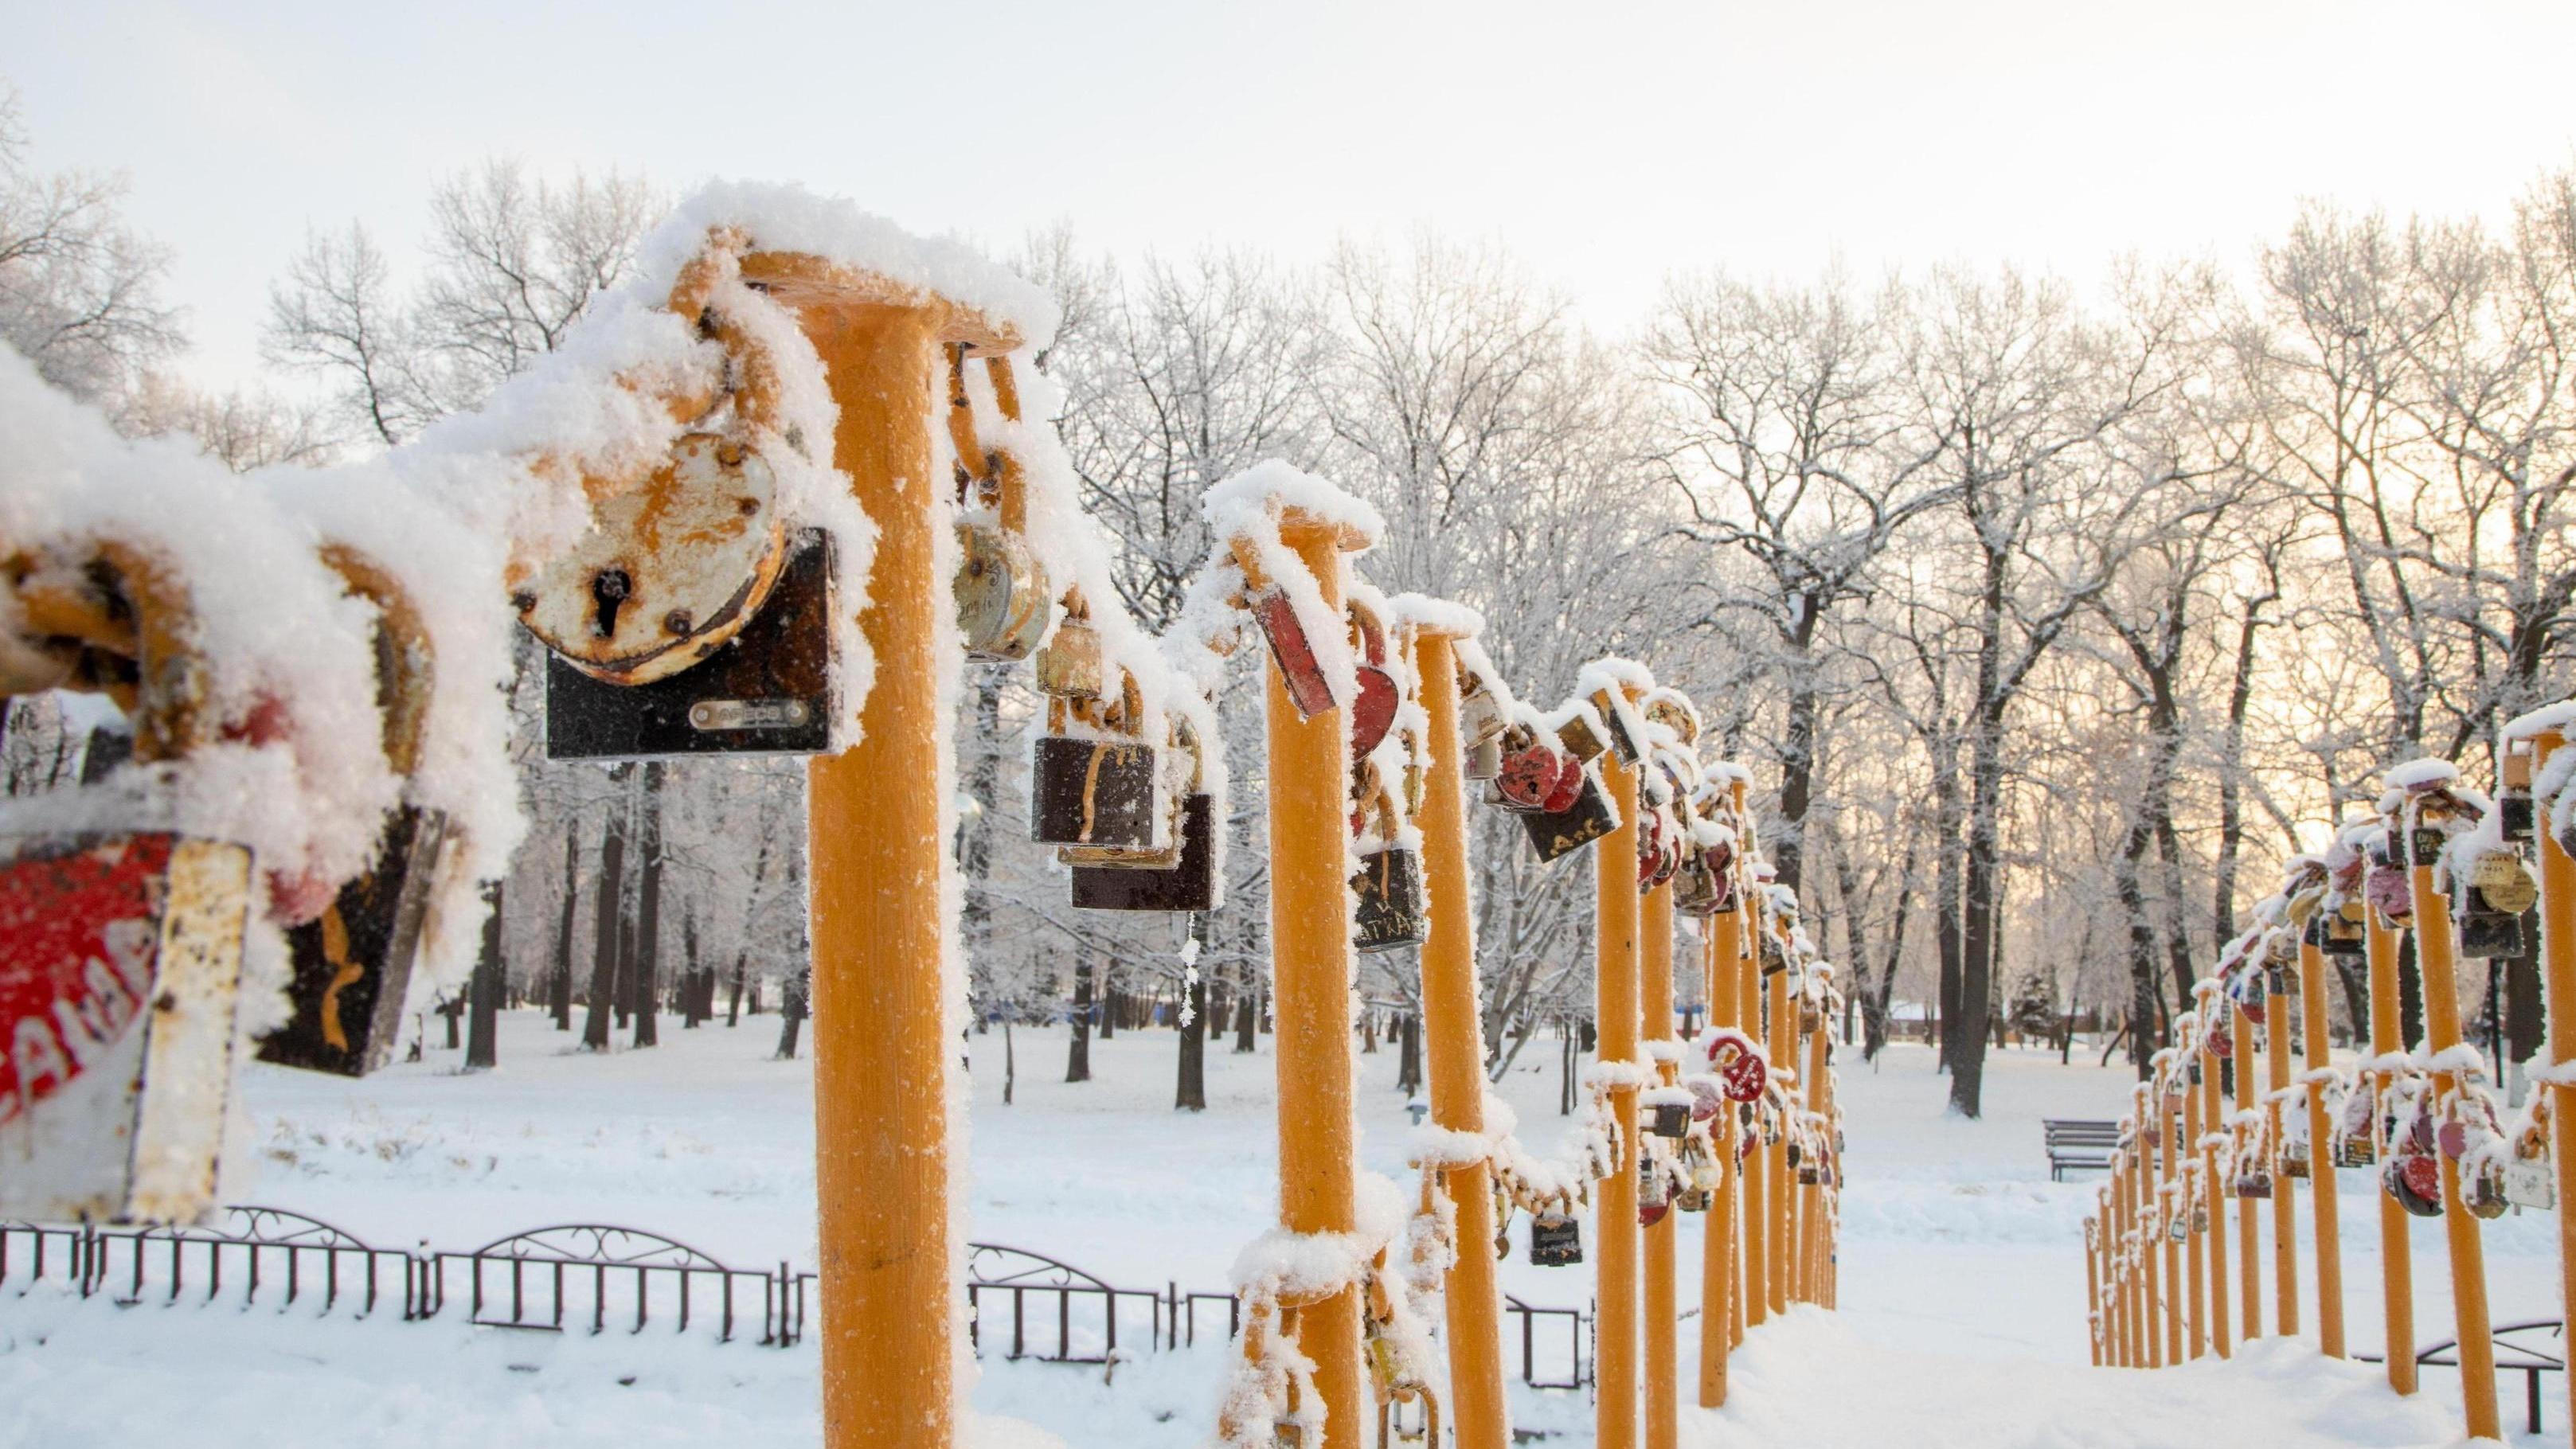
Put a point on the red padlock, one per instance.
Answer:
(1373, 708)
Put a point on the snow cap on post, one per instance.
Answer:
(1456, 621)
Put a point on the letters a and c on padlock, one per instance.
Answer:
(688, 620)
(1093, 781)
(1581, 820)
(1481, 724)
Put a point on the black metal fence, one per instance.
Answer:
(2524, 1348)
(594, 1277)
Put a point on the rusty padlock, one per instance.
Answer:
(1092, 781)
(1069, 664)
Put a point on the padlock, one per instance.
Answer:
(353, 965)
(1530, 771)
(2424, 845)
(2177, 1229)
(668, 572)
(1612, 707)
(2390, 891)
(1373, 707)
(1480, 715)
(1696, 891)
(2294, 1160)
(1669, 1119)
(1003, 603)
(1571, 779)
(1693, 1199)
(1669, 708)
(1189, 884)
(118, 977)
(2342, 936)
(2504, 882)
(1558, 833)
(2482, 1193)
(1092, 792)
(766, 688)
(1483, 761)
(2199, 1218)
(1069, 666)
(1574, 727)
(2254, 1184)
(2514, 816)
(2355, 1151)
(1309, 692)
(1556, 1241)
(2489, 933)
(1810, 1175)
(2415, 1180)
(1389, 912)
(2528, 1183)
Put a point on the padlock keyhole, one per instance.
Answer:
(609, 589)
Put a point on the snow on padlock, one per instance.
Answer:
(120, 961)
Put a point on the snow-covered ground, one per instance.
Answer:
(1961, 1283)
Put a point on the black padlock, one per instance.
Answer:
(1670, 1119)
(2489, 933)
(2424, 845)
(2343, 936)
(1092, 792)
(1556, 1241)
(1558, 833)
(2514, 816)
(766, 690)
(1188, 885)
(353, 965)
(1389, 914)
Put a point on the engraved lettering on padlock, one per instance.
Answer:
(750, 714)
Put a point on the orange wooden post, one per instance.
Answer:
(2093, 1285)
(2396, 1250)
(1720, 1318)
(2213, 1188)
(1820, 1100)
(2285, 1201)
(881, 1044)
(1614, 895)
(2435, 948)
(2188, 1130)
(2248, 1219)
(1781, 1039)
(1454, 1044)
(2170, 1204)
(2151, 1229)
(1755, 1204)
(2321, 1168)
(1310, 951)
(1662, 1306)
(2558, 958)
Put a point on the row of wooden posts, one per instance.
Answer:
(2158, 1246)
(883, 1173)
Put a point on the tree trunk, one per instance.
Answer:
(483, 1041)
(792, 1007)
(2231, 764)
(559, 980)
(1247, 1013)
(2143, 996)
(1408, 1061)
(1077, 1061)
(1979, 922)
(1952, 844)
(603, 953)
(648, 910)
(1010, 1062)
(1106, 994)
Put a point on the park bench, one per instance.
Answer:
(2077, 1143)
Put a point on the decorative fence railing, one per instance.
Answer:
(2518, 1349)
(597, 1277)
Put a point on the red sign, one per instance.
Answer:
(78, 933)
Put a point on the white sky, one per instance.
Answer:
(1606, 144)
